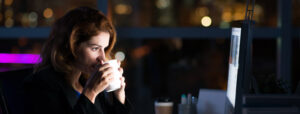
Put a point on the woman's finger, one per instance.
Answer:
(107, 71)
(103, 67)
(119, 62)
(106, 80)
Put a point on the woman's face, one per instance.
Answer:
(91, 52)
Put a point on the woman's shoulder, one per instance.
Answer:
(46, 78)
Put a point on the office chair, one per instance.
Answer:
(11, 91)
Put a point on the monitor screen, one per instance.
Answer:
(233, 65)
(239, 69)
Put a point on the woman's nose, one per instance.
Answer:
(101, 56)
(100, 59)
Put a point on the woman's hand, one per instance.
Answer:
(120, 93)
(98, 81)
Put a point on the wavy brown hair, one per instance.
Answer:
(68, 32)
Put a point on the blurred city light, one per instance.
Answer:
(9, 22)
(224, 25)
(227, 16)
(202, 11)
(239, 12)
(140, 52)
(8, 2)
(24, 20)
(120, 56)
(238, 16)
(258, 13)
(9, 13)
(162, 4)
(206, 21)
(33, 17)
(48, 13)
(123, 9)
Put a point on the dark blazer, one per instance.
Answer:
(46, 92)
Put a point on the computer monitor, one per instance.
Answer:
(233, 64)
(239, 67)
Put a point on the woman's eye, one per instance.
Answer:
(95, 49)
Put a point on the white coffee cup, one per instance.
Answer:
(116, 83)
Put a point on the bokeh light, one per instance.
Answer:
(120, 55)
(239, 12)
(162, 4)
(202, 11)
(206, 21)
(25, 20)
(8, 2)
(48, 13)
(123, 9)
(33, 17)
(227, 16)
(224, 25)
(238, 16)
(9, 22)
(9, 13)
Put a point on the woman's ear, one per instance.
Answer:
(72, 41)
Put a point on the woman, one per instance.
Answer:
(72, 76)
